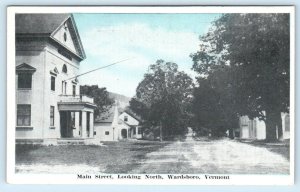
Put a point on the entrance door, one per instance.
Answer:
(124, 133)
(66, 129)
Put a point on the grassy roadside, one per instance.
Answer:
(282, 148)
(114, 157)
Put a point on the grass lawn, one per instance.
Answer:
(114, 157)
(282, 148)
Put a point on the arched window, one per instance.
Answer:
(64, 69)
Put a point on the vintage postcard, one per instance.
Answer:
(183, 95)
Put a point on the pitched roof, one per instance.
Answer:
(106, 117)
(47, 24)
(120, 121)
(39, 23)
(132, 114)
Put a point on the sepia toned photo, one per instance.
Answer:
(151, 95)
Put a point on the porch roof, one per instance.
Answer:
(75, 106)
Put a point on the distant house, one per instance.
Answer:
(256, 129)
(133, 121)
(106, 125)
(113, 126)
(49, 106)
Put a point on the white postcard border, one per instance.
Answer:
(14, 178)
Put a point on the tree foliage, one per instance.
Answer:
(101, 98)
(214, 106)
(163, 98)
(257, 49)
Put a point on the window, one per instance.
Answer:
(23, 115)
(24, 80)
(64, 69)
(51, 115)
(52, 83)
(125, 118)
(64, 87)
(106, 132)
(65, 36)
(74, 90)
(95, 132)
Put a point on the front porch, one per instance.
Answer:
(76, 116)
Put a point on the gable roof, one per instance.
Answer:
(47, 24)
(132, 114)
(120, 121)
(39, 23)
(106, 117)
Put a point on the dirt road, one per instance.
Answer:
(216, 157)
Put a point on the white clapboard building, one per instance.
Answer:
(116, 124)
(49, 107)
(256, 129)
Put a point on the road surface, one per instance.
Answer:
(222, 156)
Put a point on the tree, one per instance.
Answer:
(214, 106)
(257, 48)
(163, 96)
(101, 98)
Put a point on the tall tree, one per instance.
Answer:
(214, 106)
(101, 98)
(163, 97)
(257, 48)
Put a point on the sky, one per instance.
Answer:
(141, 38)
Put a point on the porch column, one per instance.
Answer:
(77, 124)
(91, 124)
(83, 124)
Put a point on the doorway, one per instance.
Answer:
(124, 133)
(66, 129)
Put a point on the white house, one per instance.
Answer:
(128, 118)
(113, 126)
(256, 129)
(106, 125)
(49, 107)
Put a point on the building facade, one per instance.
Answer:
(132, 124)
(49, 106)
(106, 125)
(256, 129)
(115, 126)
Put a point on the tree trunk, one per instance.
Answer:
(279, 126)
(273, 125)
(231, 133)
(160, 132)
